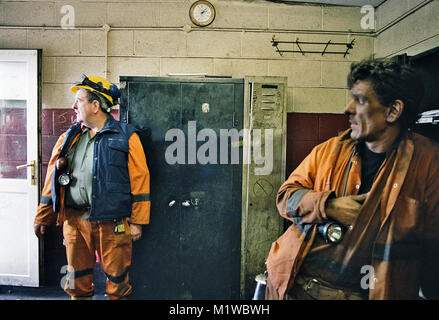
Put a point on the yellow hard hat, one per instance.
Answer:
(98, 85)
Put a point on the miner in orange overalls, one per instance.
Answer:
(97, 187)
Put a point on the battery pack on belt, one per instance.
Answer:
(119, 227)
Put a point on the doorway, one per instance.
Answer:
(427, 64)
(20, 106)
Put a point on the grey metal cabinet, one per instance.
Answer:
(192, 247)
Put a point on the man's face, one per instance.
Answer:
(82, 107)
(366, 114)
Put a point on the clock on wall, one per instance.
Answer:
(202, 13)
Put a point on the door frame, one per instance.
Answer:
(33, 58)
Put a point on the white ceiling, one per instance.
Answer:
(354, 3)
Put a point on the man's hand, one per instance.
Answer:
(39, 230)
(136, 231)
(345, 209)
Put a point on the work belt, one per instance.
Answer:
(78, 211)
(319, 291)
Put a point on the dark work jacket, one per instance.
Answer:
(111, 189)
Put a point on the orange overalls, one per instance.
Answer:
(83, 238)
(409, 212)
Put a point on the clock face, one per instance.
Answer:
(202, 13)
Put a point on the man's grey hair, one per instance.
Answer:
(104, 103)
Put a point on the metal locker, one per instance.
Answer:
(191, 248)
(263, 173)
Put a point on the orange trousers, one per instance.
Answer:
(82, 239)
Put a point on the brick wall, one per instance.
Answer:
(149, 37)
(416, 29)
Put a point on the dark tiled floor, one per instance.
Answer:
(28, 293)
(52, 292)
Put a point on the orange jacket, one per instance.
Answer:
(406, 249)
(139, 181)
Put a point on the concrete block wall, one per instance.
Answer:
(150, 38)
(406, 26)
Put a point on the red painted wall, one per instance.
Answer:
(13, 137)
(54, 123)
(306, 130)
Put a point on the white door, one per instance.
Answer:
(19, 247)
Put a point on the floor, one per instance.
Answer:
(52, 292)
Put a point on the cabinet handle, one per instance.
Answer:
(186, 203)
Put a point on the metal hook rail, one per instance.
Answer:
(349, 46)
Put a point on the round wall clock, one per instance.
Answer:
(202, 13)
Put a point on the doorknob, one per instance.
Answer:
(32, 170)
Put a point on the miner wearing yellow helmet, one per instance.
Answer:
(99, 86)
(97, 187)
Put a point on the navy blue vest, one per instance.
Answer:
(111, 188)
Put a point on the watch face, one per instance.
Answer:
(202, 13)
